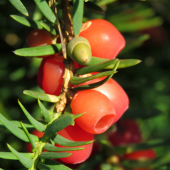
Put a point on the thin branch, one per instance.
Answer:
(68, 27)
(66, 34)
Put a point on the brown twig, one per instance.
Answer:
(66, 35)
(68, 25)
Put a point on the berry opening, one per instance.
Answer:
(104, 123)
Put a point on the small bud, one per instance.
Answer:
(42, 160)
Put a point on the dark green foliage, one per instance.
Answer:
(27, 162)
(32, 142)
(45, 112)
(77, 80)
(54, 155)
(46, 10)
(38, 51)
(19, 6)
(39, 126)
(59, 124)
(49, 27)
(26, 123)
(27, 21)
(10, 155)
(123, 63)
(65, 142)
(50, 147)
(78, 8)
(42, 96)
(52, 165)
(15, 130)
(93, 68)
(93, 85)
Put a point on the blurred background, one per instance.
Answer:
(145, 26)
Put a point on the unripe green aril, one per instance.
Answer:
(79, 50)
(81, 54)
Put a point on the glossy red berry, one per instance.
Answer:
(75, 133)
(104, 38)
(38, 38)
(99, 112)
(36, 133)
(140, 155)
(50, 74)
(142, 169)
(115, 93)
(127, 132)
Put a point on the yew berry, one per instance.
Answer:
(117, 96)
(76, 133)
(37, 133)
(127, 132)
(142, 169)
(99, 112)
(38, 38)
(140, 155)
(115, 93)
(50, 74)
(104, 38)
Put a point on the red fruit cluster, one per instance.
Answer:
(102, 106)
(128, 132)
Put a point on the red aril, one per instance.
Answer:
(99, 112)
(115, 93)
(50, 74)
(38, 38)
(104, 38)
(140, 155)
(76, 133)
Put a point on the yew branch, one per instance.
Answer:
(66, 34)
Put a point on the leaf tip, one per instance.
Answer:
(69, 154)
(8, 145)
(18, 101)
